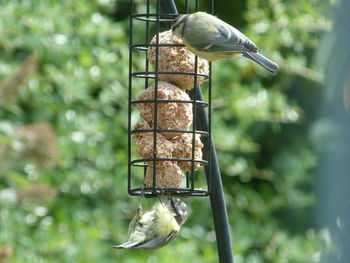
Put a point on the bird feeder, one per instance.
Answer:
(170, 148)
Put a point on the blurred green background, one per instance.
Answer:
(63, 135)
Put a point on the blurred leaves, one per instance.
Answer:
(63, 108)
(9, 88)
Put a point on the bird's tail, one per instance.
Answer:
(128, 244)
(262, 61)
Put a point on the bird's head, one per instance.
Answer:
(178, 25)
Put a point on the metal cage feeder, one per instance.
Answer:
(160, 14)
(188, 188)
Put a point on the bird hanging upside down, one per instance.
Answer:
(156, 228)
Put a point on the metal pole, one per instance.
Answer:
(217, 200)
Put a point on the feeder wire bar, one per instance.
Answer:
(217, 200)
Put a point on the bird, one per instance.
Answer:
(157, 227)
(212, 39)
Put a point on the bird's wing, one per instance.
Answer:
(139, 230)
(229, 39)
(134, 221)
(157, 242)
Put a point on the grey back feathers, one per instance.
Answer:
(231, 39)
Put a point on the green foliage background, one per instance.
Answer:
(261, 127)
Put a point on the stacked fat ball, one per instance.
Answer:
(174, 116)
(177, 59)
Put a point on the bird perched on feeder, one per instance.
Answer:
(156, 228)
(210, 38)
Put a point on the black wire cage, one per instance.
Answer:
(148, 24)
(148, 19)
